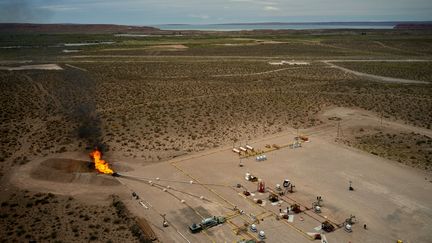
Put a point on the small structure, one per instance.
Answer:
(253, 228)
(348, 228)
(296, 144)
(273, 198)
(261, 186)
(250, 177)
(327, 226)
(296, 208)
(261, 235)
(317, 205)
(347, 225)
(289, 187)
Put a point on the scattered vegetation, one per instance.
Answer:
(158, 104)
(407, 70)
(409, 148)
(26, 216)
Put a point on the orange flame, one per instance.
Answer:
(100, 164)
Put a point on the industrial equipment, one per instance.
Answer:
(246, 241)
(327, 226)
(207, 223)
(317, 205)
(273, 198)
(253, 228)
(348, 228)
(261, 186)
(347, 225)
(261, 235)
(350, 186)
(289, 187)
(296, 208)
(251, 178)
(351, 220)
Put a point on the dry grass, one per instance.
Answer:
(409, 148)
(155, 111)
(41, 217)
(408, 70)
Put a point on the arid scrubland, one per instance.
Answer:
(158, 97)
(155, 103)
(158, 110)
(409, 148)
(45, 217)
(408, 70)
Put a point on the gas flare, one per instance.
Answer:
(100, 164)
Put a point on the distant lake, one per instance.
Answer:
(278, 26)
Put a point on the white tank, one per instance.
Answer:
(348, 227)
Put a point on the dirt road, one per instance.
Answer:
(375, 77)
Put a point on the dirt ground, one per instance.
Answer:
(166, 112)
(393, 200)
(390, 198)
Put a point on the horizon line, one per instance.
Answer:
(235, 23)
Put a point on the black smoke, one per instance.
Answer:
(80, 107)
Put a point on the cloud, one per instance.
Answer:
(271, 8)
(58, 8)
(194, 11)
(22, 11)
(199, 16)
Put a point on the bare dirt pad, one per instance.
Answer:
(155, 48)
(70, 171)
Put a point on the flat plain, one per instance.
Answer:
(172, 107)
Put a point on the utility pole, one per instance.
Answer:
(381, 117)
(339, 131)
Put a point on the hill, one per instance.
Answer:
(73, 28)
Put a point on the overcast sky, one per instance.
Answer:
(146, 12)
